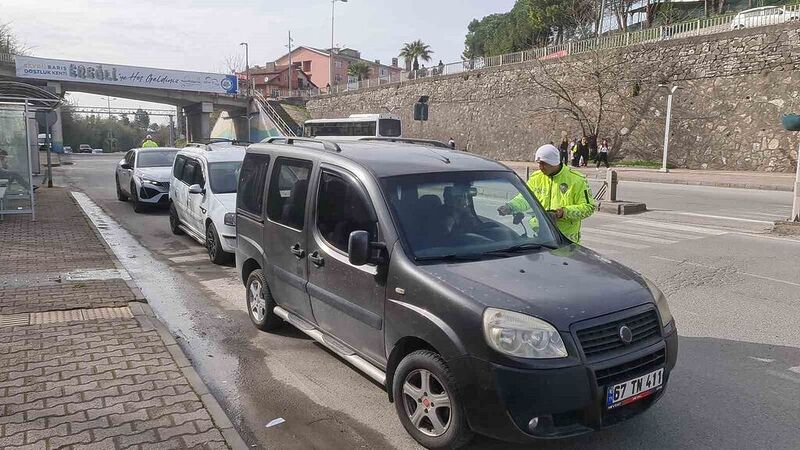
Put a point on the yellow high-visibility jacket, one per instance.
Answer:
(566, 189)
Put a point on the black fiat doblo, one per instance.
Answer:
(391, 253)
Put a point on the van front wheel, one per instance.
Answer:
(427, 402)
(260, 304)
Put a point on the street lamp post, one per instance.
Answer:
(110, 131)
(796, 203)
(672, 90)
(247, 64)
(330, 61)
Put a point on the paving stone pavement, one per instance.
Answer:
(93, 383)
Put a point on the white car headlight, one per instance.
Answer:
(521, 335)
(144, 180)
(661, 302)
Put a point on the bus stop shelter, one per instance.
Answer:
(19, 103)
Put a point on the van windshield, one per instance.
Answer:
(224, 176)
(453, 215)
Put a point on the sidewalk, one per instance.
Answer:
(84, 363)
(747, 180)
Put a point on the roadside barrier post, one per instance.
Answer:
(611, 182)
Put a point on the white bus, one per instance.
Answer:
(355, 126)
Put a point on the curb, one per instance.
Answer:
(148, 320)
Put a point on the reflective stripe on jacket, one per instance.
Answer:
(566, 189)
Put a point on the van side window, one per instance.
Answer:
(177, 169)
(341, 210)
(288, 189)
(188, 172)
(199, 178)
(251, 183)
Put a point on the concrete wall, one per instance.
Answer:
(734, 86)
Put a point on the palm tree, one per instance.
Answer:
(358, 69)
(415, 51)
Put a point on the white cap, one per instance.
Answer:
(548, 154)
(149, 137)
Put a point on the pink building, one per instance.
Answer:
(314, 63)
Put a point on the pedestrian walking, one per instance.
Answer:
(563, 150)
(561, 190)
(602, 154)
(593, 147)
(583, 151)
(452, 143)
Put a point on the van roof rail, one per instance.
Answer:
(430, 142)
(290, 140)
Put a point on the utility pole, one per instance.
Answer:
(330, 61)
(291, 69)
(672, 90)
(247, 66)
(110, 130)
(796, 204)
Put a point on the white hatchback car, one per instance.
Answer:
(143, 176)
(203, 196)
(767, 15)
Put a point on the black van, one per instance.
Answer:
(391, 253)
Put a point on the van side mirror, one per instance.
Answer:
(196, 189)
(358, 248)
(125, 166)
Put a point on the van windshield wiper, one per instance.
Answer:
(450, 257)
(521, 248)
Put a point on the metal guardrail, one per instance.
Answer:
(283, 127)
(697, 27)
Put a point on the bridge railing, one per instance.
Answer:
(699, 27)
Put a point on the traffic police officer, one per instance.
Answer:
(561, 190)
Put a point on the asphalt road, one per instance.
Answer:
(735, 294)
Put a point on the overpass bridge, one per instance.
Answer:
(195, 95)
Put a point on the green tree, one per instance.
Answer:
(141, 119)
(416, 50)
(359, 70)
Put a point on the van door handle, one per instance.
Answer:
(316, 259)
(297, 251)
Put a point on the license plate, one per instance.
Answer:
(635, 389)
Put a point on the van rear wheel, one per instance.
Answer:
(427, 401)
(260, 304)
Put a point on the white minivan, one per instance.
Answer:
(203, 196)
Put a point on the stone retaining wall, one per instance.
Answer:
(726, 114)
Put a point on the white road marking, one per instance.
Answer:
(653, 240)
(764, 360)
(711, 216)
(672, 226)
(602, 241)
(784, 376)
(776, 280)
(795, 369)
(640, 229)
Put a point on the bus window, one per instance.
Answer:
(389, 128)
(340, 129)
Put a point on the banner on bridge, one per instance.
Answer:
(114, 74)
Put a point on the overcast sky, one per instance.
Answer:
(200, 34)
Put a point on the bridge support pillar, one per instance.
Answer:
(199, 120)
(58, 132)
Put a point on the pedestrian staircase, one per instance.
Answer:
(276, 118)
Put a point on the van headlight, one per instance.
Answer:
(230, 219)
(521, 335)
(661, 303)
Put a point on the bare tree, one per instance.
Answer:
(235, 63)
(9, 42)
